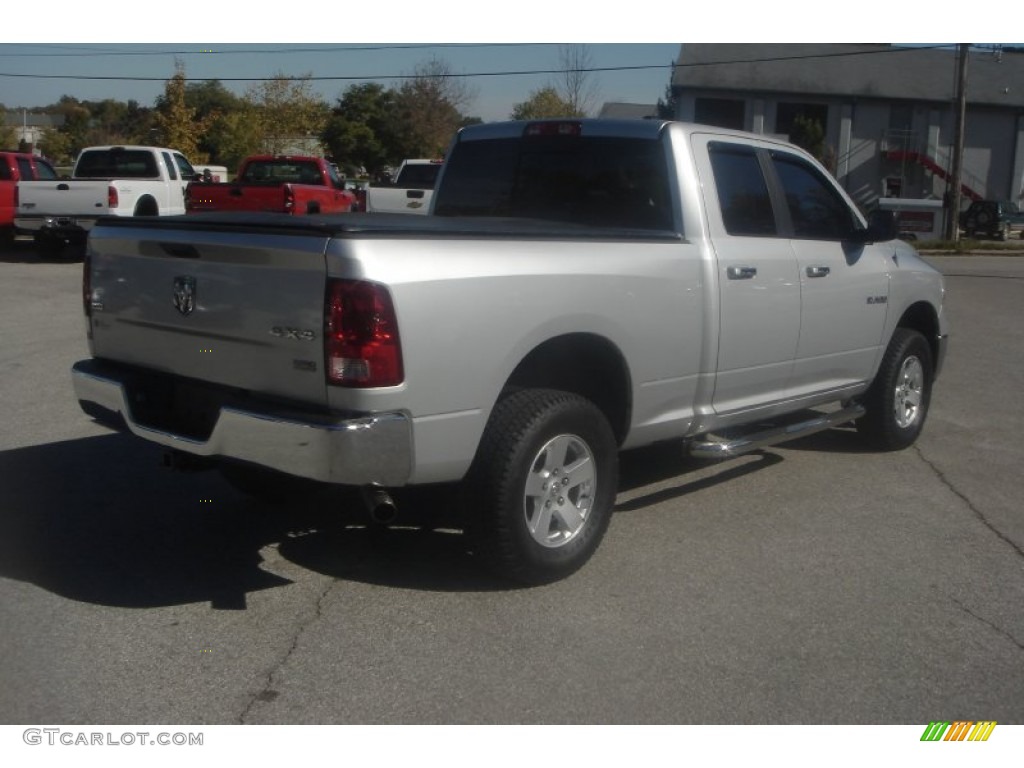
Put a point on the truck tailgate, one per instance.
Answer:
(235, 197)
(239, 309)
(83, 197)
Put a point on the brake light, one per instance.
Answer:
(553, 128)
(362, 348)
(289, 197)
(111, 197)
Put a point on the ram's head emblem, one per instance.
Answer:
(185, 294)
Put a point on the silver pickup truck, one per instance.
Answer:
(581, 287)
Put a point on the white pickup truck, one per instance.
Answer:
(581, 287)
(106, 181)
(410, 192)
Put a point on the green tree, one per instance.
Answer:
(177, 124)
(228, 127)
(543, 102)
(808, 133)
(8, 134)
(360, 131)
(287, 112)
(56, 145)
(75, 127)
(668, 106)
(234, 136)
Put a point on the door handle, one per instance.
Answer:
(818, 271)
(741, 273)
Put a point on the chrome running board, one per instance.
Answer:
(738, 443)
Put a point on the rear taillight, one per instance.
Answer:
(111, 197)
(362, 348)
(289, 197)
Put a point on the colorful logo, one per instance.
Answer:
(958, 730)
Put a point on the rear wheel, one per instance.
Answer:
(540, 493)
(897, 402)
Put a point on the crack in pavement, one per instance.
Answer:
(267, 693)
(988, 623)
(970, 505)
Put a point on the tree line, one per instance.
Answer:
(367, 129)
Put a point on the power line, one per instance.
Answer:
(329, 78)
(81, 52)
(508, 73)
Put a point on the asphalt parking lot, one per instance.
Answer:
(811, 583)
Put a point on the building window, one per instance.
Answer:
(722, 113)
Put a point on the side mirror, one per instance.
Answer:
(882, 227)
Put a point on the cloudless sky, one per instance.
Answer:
(631, 42)
(34, 75)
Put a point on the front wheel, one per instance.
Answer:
(898, 399)
(539, 496)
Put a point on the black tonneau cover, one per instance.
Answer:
(385, 225)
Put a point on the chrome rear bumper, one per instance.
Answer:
(364, 449)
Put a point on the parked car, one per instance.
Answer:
(993, 218)
(106, 181)
(292, 184)
(15, 167)
(580, 287)
(410, 192)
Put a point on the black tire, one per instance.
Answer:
(548, 461)
(897, 401)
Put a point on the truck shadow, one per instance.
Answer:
(25, 252)
(99, 520)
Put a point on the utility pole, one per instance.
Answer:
(953, 219)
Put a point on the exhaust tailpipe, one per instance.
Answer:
(380, 505)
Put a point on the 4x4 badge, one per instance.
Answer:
(185, 294)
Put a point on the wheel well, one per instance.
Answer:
(921, 317)
(146, 207)
(588, 365)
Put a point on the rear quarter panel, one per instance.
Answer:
(469, 311)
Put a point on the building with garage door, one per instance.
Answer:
(884, 114)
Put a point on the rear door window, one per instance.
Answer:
(597, 181)
(742, 191)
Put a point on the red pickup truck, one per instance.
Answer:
(15, 167)
(293, 184)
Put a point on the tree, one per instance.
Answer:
(543, 102)
(668, 107)
(574, 84)
(287, 112)
(808, 133)
(8, 134)
(177, 124)
(230, 135)
(233, 136)
(359, 134)
(56, 145)
(74, 129)
(427, 110)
